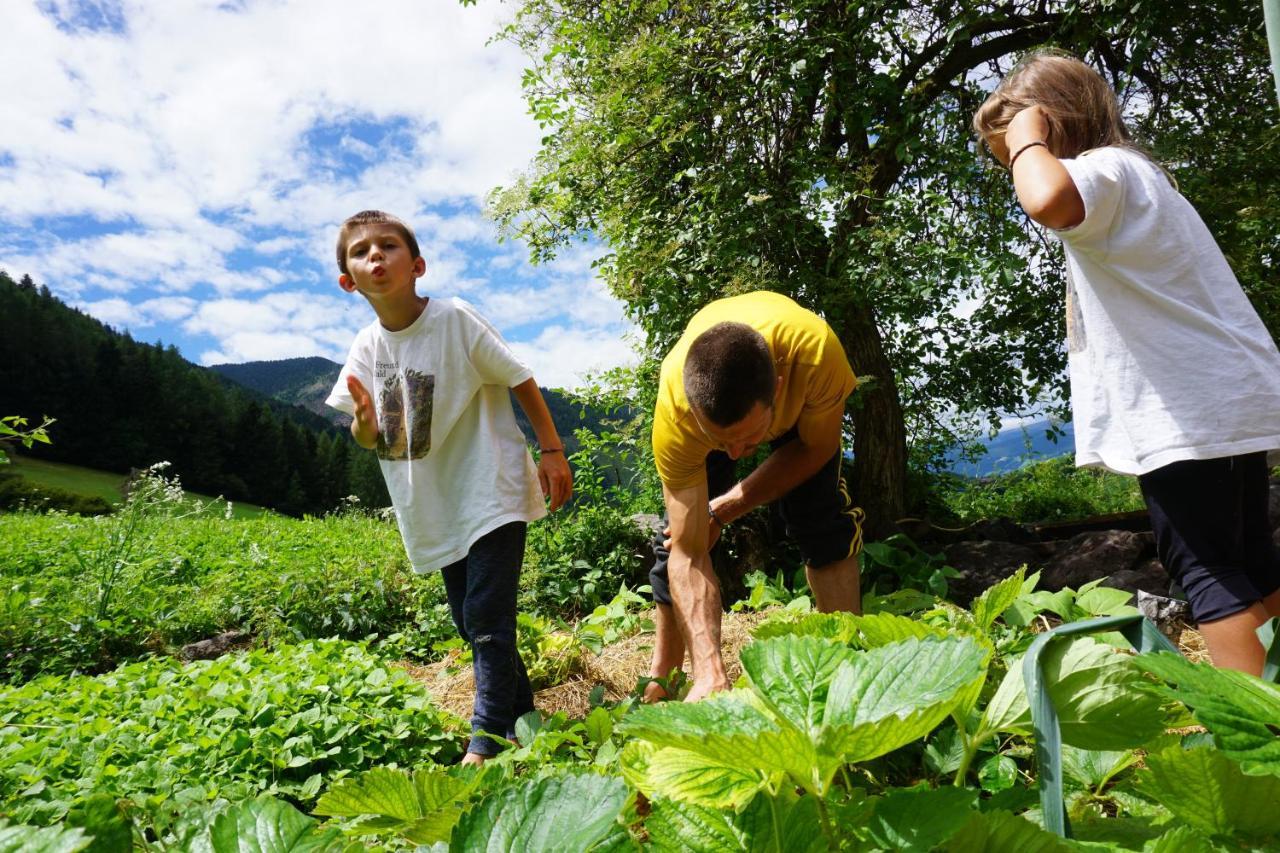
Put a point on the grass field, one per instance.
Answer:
(94, 483)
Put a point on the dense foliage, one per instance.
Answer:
(119, 404)
(823, 150)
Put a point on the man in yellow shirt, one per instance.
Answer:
(748, 369)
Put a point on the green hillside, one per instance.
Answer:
(96, 484)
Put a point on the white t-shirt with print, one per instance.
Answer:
(1168, 360)
(455, 462)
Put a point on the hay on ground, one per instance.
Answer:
(618, 668)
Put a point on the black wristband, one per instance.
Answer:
(1018, 153)
(711, 512)
(551, 450)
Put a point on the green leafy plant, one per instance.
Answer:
(167, 736)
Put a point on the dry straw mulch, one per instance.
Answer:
(618, 668)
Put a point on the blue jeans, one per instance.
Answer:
(482, 600)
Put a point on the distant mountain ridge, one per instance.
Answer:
(1016, 446)
(306, 382)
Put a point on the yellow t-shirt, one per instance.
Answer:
(816, 378)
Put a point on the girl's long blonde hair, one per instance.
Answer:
(1081, 109)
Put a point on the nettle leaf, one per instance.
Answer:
(568, 813)
(767, 824)
(100, 816)
(423, 806)
(792, 675)
(921, 819)
(1091, 768)
(267, 825)
(892, 695)
(1182, 839)
(1003, 832)
(828, 626)
(995, 600)
(694, 778)
(1242, 711)
(1101, 698)
(881, 629)
(1209, 792)
(41, 839)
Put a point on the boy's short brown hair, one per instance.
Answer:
(373, 217)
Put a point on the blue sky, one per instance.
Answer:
(178, 169)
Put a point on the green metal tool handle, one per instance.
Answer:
(1141, 634)
(1271, 13)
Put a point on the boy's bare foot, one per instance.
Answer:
(474, 759)
(653, 692)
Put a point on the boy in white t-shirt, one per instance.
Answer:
(427, 385)
(1174, 378)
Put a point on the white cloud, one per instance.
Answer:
(184, 168)
(562, 357)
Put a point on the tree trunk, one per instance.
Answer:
(879, 432)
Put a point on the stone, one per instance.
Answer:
(1092, 556)
(215, 647)
(982, 564)
(1145, 576)
(1168, 614)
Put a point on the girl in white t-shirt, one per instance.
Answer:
(1174, 378)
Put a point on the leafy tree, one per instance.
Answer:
(823, 150)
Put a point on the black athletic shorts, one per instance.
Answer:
(1212, 531)
(819, 515)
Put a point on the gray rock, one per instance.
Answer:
(1146, 576)
(982, 564)
(215, 647)
(1091, 556)
(1168, 614)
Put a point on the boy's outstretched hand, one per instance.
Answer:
(556, 478)
(364, 428)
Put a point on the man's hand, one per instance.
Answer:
(556, 478)
(713, 534)
(364, 427)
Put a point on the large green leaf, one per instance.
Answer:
(568, 813)
(728, 728)
(995, 600)
(41, 839)
(1099, 695)
(100, 816)
(423, 806)
(829, 626)
(1243, 712)
(792, 675)
(1092, 768)
(889, 696)
(1209, 792)
(768, 824)
(267, 825)
(881, 629)
(921, 819)
(694, 778)
(1002, 832)
(1181, 839)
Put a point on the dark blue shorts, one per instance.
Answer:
(1213, 533)
(819, 515)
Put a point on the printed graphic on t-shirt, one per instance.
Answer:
(1076, 340)
(401, 435)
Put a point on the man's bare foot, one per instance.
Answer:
(474, 759)
(703, 688)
